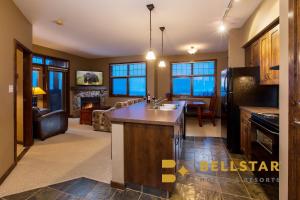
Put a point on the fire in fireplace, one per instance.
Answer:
(90, 103)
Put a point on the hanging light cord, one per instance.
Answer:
(150, 29)
(162, 43)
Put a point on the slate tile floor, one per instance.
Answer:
(196, 185)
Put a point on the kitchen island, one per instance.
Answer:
(142, 137)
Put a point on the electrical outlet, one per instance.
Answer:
(10, 88)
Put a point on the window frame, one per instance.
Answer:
(45, 71)
(127, 78)
(192, 76)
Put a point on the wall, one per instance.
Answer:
(76, 63)
(19, 88)
(19, 28)
(163, 74)
(284, 100)
(264, 15)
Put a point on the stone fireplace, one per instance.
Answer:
(90, 102)
(87, 96)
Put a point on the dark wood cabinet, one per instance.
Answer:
(252, 55)
(245, 134)
(264, 51)
(146, 146)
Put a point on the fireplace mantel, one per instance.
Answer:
(88, 88)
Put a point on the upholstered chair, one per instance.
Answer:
(130, 102)
(135, 100)
(118, 105)
(101, 121)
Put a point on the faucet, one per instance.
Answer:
(157, 101)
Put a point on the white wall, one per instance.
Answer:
(283, 100)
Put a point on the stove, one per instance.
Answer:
(269, 121)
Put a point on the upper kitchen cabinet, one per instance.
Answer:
(252, 55)
(264, 51)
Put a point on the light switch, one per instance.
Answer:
(11, 89)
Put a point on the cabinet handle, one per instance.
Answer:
(297, 122)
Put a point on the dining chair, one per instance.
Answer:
(210, 113)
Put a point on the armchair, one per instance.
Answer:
(47, 124)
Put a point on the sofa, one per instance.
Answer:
(47, 124)
(101, 121)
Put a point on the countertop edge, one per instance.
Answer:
(253, 109)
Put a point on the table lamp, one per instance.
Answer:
(35, 92)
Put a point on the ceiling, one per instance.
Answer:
(108, 28)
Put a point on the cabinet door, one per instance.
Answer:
(248, 140)
(264, 59)
(275, 54)
(248, 56)
(243, 134)
(255, 53)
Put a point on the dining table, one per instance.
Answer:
(199, 105)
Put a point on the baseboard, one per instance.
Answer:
(22, 153)
(120, 186)
(2, 178)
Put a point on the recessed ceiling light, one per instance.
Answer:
(59, 22)
(222, 28)
(192, 50)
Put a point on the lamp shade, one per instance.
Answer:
(38, 91)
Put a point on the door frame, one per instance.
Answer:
(27, 96)
(294, 66)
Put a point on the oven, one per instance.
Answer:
(265, 141)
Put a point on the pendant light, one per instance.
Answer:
(150, 54)
(162, 63)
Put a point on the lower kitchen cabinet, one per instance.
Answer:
(245, 137)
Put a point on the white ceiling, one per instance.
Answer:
(104, 28)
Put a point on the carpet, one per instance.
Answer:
(81, 152)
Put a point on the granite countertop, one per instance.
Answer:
(252, 109)
(143, 113)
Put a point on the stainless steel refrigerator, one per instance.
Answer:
(241, 87)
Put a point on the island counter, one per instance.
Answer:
(141, 138)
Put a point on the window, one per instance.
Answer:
(128, 79)
(52, 75)
(196, 79)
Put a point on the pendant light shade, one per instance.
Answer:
(150, 54)
(162, 63)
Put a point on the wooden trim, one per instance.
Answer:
(27, 97)
(262, 32)
(293, 184)
(23, 153)
(6, 174)
(51, 57)
(191, 76)
(120, 186)
(127, 77)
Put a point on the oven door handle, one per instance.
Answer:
(257, 124)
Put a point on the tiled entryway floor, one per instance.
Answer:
(196, 185)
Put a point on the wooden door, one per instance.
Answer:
(294, 102)
(264, 59)
(275, 54)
